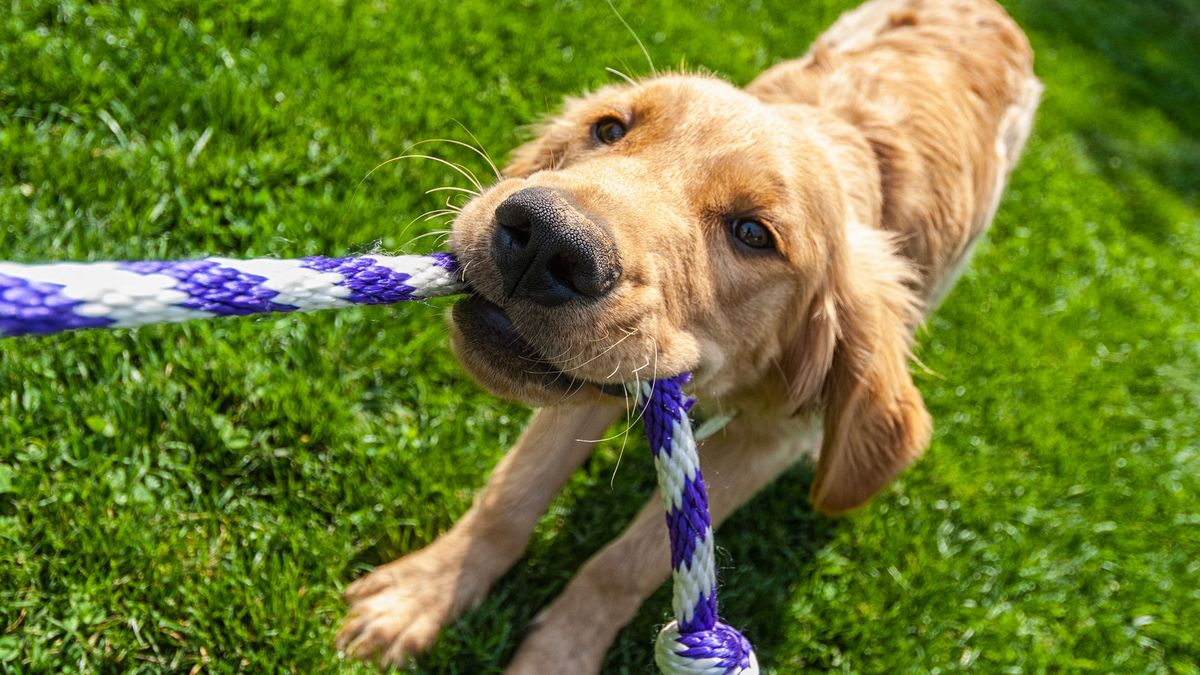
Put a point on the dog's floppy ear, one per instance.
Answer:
(875, 419)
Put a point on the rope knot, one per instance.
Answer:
(719, 650)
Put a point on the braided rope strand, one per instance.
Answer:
(43, 299)
(696, 642)
(51, 298)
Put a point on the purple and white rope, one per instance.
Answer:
(696, 641)
(42, 299)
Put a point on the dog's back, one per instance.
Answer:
(943, 91)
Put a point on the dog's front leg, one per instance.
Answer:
(397, 610)
(574, 632)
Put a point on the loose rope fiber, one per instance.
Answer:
(696, 642)
(43, 299)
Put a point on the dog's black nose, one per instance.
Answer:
(549, 252)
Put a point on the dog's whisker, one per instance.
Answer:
(480, 149)
(625, 431)
(546, 359)
(599, 338)
(452, 188)
(641, 413)
(635, 397)
(621, 75)
(462, 170)
(468, 146)
(582, 384)
(629, 28)
(423, 217)
(376, 168)
(462, 273)
(604, 337)
(600, 355)
(477, 150)
(435, 233)
(637, 377)
(612, 479)
(408, 226)
(638, 393)
(571, 389)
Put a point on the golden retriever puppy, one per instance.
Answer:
(780, 241)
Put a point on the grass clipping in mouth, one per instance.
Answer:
(199, 494)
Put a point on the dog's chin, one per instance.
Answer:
(503, 362)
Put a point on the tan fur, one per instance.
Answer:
(877, 160)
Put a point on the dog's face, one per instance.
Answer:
(674, 225)
(681, 224)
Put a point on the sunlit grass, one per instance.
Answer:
(200, 494)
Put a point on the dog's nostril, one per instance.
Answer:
(548, 252)
(563, 268)
(518, 234)
(514, 226)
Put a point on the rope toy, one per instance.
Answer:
(695, 642)
(44, 299)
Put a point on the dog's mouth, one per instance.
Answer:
(494, 340)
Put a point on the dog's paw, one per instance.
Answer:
(397, 610)
(390, 627)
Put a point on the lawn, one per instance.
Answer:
(195, 497)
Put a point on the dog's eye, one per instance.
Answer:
(609, 130)
(752, 233)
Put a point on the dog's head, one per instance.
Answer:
(681, 224)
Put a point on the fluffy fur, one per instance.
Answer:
(876, 161)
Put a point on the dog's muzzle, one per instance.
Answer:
(549, 252)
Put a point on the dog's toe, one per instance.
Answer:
(396, 612)
(349, 632)
(365, 587)
(387, 628)
(414, 639)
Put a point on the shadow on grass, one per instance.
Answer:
(763, 551)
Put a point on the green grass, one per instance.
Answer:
(200, 494)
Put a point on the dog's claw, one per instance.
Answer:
(397, 610)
